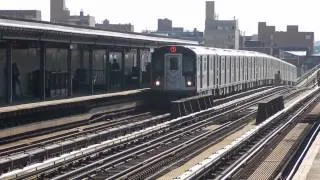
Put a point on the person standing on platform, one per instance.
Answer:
(115, 69)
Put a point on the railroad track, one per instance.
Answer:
(92, 167)
(151, 134)
(180, 152)
(57, 146)
(101, 116)
(98, 117)
(106, 123)
(32, 152)
(232, 161)
(291, 167)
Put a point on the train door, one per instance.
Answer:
(198, 72)
(218, 70)
(250, 68)
(201, 72)
(222, 70)
(204, 71)
(238, 70)
(173, 71)
(241, 69)
(254, 66)
(227, 72)
(233, 69)
(209, 67)
(247, 68)
(214, 81)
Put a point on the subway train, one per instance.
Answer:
(198, 70)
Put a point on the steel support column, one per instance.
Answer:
(123, 60)
(9, 72)
(91, 78)
(139, 64)
(42, 89)
(81, 58)
(69, 69)
(107, 70)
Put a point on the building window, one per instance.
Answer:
(308, 36)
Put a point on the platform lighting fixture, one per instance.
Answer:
(73, 46)
(157, 83)
(189, 83)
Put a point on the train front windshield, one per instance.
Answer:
(173, 71)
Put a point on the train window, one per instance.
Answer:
(187, 64)
(174, 63)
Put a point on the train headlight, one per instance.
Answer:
(157, 83)
(189, 83)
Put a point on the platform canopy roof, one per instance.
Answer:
(44, 31)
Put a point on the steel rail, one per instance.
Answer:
(204, 167)
(164, 127)
(238, 164)
(303, 154)
(85, 172)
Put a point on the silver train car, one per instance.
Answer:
(197, 70)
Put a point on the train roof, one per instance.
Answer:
(201, 50)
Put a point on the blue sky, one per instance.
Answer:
(188, 13)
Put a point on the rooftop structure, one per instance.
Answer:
(22, 14)
(291, 40)
(60, 14)
(220, 33)
(115, 27)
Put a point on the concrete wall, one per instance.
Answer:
(117, 27)
(210, 10)
(291, 38)
(58, 11)
(164, 25)
(24, 14)
(294, 39)
(222, 34)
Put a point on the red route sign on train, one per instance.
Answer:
(173, 49)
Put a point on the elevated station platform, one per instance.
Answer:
(11, 115)
(310, 167)
(43, 60)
